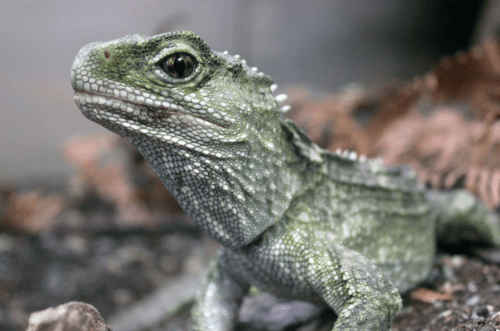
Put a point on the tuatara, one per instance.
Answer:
(293, 219)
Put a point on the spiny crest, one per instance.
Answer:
(238, 63)
(353, 156)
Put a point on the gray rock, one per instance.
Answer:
(71, 316)
(267, 312)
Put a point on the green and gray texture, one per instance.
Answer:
(292, 219)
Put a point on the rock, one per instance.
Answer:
(71, 316)
(267, 312)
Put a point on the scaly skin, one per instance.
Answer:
(292, 219)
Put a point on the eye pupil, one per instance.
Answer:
(178, 65)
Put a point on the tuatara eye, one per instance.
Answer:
(178, 65)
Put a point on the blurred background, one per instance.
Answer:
(321, 44)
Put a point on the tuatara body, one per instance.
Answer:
(292, 219)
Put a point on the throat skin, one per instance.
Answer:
(235, 192)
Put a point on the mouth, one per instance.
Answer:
(130, 114)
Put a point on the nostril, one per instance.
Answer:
(107, 54)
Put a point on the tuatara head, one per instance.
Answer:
(173, 88)
(207, 124)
